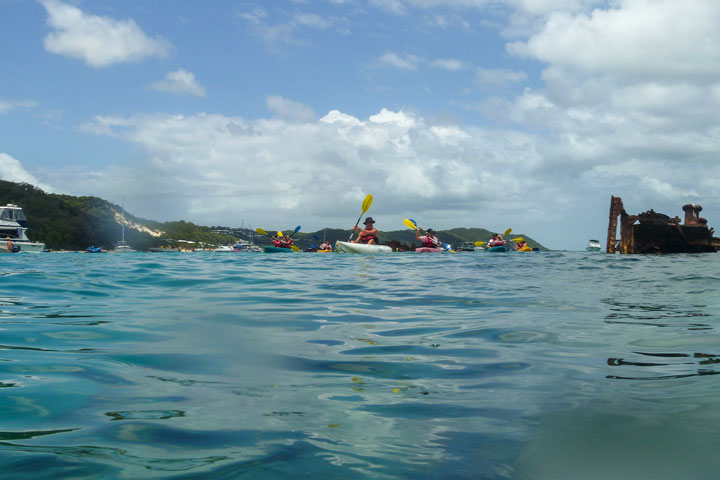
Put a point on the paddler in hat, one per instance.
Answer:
(369, 234)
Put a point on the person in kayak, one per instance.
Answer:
(369, 234)
(325, 246)
(496, 240)
(429, 240)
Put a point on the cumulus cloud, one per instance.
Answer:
(98, 41)
(11, 170)
(180, 82)
(640, 39)
(214, 166)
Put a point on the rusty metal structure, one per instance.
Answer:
(652, 232)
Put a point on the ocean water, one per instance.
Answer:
(562, 365)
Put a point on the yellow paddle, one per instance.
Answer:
(411, 225)
(263, 232)
(479, 244)
(518, 239)
(365, 205)
(507, 232)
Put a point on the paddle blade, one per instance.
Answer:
(479, 244)
(410, 224)
(518, 239)
(295, 248)
(507, 232)
(366, 203)
(261, 231)
(297, 229)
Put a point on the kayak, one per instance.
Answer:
(525, 249)
(276, 250)
(499, 248)
(323, 251)
(428, 250)
(348, 247)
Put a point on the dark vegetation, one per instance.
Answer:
(65, 222)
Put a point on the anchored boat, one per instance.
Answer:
(13, 225)
(593, 246)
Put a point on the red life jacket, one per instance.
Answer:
(366, 237)
(429, 243)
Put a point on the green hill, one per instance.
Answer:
(65, 222)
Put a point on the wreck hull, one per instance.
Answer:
(659, 238)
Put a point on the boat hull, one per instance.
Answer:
(348, 247)
(498, 249)
(277, 250)
(29, 247)
(428, 250)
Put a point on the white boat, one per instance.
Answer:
(13, 225)
(224, 248)
(122, 246)
(593, 246)
(349, 247)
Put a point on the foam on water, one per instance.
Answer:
(537, 365)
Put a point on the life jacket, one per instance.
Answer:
(278, 243)
(427, 242)
(366, 237)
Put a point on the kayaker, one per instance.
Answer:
(429, 240)
(496, 240)
(522, 244)
(325, 246)
(287, 242)
(278, 242)
(369, 234)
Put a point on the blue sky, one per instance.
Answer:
(457, 113)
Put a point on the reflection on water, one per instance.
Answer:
(342, 366)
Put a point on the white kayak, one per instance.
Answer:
(349, 247)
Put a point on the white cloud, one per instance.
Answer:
(11, 170)
(285, 33)
(181, 82)
(448, 64)
(401, 62)
(98, 41)
(640, 39)
(217, 167)
(289, 110)
(7, 105)
(409, 62)
(499, 76)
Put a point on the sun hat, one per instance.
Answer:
(430, 230)
(369, 220)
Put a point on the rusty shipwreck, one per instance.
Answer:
(652, 232)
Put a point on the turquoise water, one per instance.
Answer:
(453, 366)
